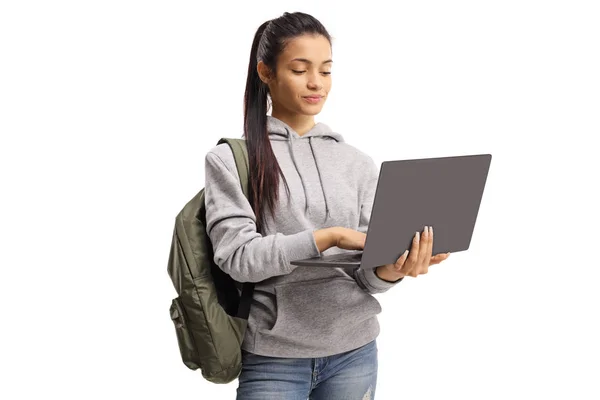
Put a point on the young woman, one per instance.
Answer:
(311, 331)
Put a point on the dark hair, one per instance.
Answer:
(269, 41)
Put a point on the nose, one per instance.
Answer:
(314, 82)
(314, 86)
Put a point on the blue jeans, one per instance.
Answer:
(346, 376)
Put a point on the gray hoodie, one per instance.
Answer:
(298, 311)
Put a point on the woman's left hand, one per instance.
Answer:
(417, 261)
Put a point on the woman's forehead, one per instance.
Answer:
(307, 48)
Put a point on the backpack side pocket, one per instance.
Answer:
(187, 346)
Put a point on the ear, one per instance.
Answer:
(264, 72)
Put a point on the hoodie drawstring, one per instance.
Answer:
(320, 179)
(290, 138)
(290, 144)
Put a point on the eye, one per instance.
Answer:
(301, 72)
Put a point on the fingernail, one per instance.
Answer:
(417, 236)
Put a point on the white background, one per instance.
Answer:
(108, 108)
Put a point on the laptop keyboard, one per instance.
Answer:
(349, 257)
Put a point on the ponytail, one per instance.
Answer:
(264, 168)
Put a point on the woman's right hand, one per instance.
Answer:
(350, 239)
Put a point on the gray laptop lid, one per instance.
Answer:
(444, 192)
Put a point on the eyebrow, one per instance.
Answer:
(310, 62)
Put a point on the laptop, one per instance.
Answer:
(442, 192)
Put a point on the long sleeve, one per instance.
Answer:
(239, 250)
(366, 278)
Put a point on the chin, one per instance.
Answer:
(311, 110)
(312, 113)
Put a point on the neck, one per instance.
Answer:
(298, 122)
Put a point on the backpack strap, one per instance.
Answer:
(240, 154)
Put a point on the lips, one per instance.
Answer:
(313, 99)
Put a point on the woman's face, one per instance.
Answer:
(303, 70)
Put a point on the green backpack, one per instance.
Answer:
(211, 312)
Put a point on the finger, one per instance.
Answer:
(399, 264)
(427, 259)
(423, 246)
(401, 260)
(429, 247)
(413, 256)
(438, 258)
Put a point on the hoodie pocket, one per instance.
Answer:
(328, 307)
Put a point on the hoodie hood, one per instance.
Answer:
(280, 131)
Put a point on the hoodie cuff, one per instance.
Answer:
(373, 282)
(299, 246)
